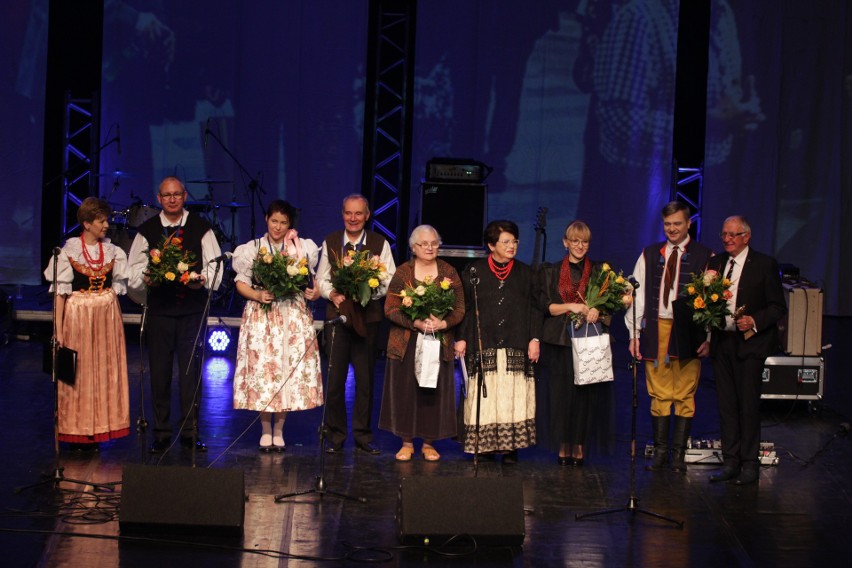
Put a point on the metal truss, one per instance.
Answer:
(388, 117)
(80, 159)
(688, 187)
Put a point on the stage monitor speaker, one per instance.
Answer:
(182, 500)
(431, 510)
(456, 210)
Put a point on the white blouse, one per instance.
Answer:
(73, 249)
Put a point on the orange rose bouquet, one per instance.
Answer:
(170, 262)
(707, 296)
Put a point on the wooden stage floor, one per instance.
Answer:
(800, 514)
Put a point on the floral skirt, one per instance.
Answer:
(97, 407)
(278, 358)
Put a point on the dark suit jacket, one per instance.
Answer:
(760, 290)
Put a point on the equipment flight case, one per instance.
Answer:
(793, 377)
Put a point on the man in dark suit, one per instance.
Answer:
(741, 348)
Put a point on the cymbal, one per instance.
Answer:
(116, 174)
(234, 205)
(208, 180)
(206, 204)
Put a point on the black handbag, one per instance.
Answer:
(66, 365)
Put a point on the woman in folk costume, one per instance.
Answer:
(502, 313)
(90, 274)
(278, 359)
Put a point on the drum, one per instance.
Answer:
(122, 237)
(139, 213)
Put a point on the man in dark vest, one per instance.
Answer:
(739, 351)
(664, 335)
(174, 310)
(354, 340)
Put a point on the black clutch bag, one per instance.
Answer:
(66, 365)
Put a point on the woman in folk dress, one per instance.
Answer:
(278, 360)
(90, 274)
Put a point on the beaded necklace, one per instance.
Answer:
(94, 264)
(500, 272)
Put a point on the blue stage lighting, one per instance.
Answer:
(218, 339)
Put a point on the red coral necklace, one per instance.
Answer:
(501, 272)
(93, 263)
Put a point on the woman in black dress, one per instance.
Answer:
(570, 416)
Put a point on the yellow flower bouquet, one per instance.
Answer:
(358, 274)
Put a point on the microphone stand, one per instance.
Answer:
(57, 476)
(141, 422)
(198, 359)
(254, 187)
(632, 505)
(481, 390)
(320, 487)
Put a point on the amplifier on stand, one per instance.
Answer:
(456, 210)
(459, 258)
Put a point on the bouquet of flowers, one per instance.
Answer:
(708, 296)
(280, 274)
(432, 297)
(170, 262)
(608, 292)
(357, 274)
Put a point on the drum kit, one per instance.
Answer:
(126, 220)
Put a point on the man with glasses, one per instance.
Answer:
(174, 310)
(740, 350)
(664, 336)
(355, 341)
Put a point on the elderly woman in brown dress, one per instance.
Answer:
(409, 410)
(90, 274)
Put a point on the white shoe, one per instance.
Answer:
(265, 442)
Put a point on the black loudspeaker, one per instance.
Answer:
(431, 510)
(182, 500)
(456, 210)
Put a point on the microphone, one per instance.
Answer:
(118, 137)
(341, 318)
(474, 279)
(206, 132)
(56, 251)
(221, 257)
(633, 282)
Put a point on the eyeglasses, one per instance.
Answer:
(578, 242)
(171, 195)
(724, 235)
(433, 244)
(508, 242)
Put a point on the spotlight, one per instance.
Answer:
(218, 339)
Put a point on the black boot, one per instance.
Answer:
(680, 434)
(660, 425)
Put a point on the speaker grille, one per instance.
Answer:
(182, 500)
(490, 510)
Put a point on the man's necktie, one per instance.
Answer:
(730, 269)
(669, 278)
